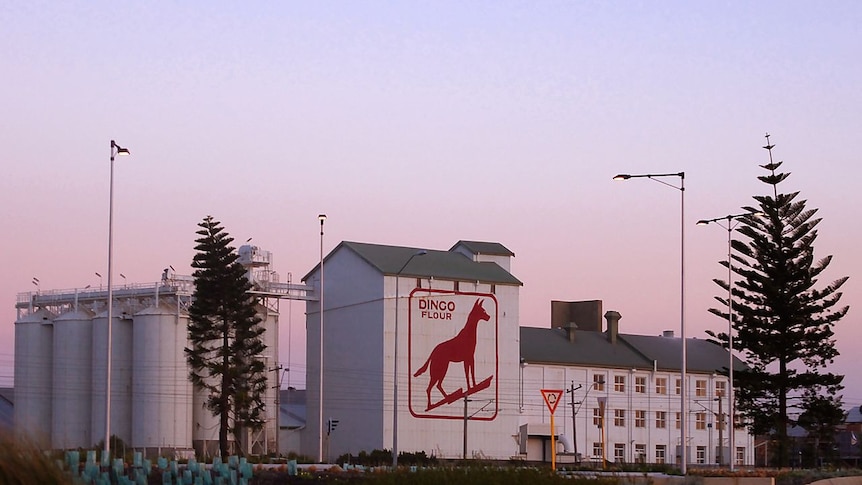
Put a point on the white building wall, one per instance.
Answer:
(357, 386)
(588, 435)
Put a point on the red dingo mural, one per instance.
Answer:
(460, 348)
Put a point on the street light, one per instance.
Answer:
(115, 150)
(395, 364)
(683, 386)
(322, 219)
(729, 225)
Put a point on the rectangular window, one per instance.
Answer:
(620, 417)
(640, 452)
(721, 388)
(661, 385)
(493, 288)
(599, 382)
(700, 420)
(740, 455)
(678, 386)
(620, 383)
(456, 286)
(659, 453)
(640, 418)
(597, 417)
(701, 455)
(700, 388)
(640, 385)
(619, 452)
(660, 419)
(678, 418)
(597, 450)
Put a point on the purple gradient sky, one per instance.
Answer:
(423, 123)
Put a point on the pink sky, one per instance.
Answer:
(422, 124)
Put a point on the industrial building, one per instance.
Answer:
(61, 346)
(422, 350)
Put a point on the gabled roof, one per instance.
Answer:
(449, 265)
(481, 247)
(552, 346)
(701, 355)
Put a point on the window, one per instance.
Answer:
(619, 452)
(661, 385)
(700, 388)
(619, 417)
(620, 383)
(493, 288)
(740, 455)
(660, 453)
(640, 385)
(456, 286)
(597, 450)
(660, 419)
(678, 419)
(700, 420)
(640, 452)
(599, 382)
(701, 455)
(640, 418)
(721, 388)
(678, 386)
(597, 417)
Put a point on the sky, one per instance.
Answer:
(421, 124)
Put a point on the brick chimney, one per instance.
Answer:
(613, 319)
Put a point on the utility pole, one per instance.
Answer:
(464, 455)
(571, 391)
(720, 431)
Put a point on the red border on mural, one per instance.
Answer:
(495, 377)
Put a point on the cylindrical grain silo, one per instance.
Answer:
(161, 389)
(121, 375)
(72, 380)
(205, 426)
(269, 443)
(33, 369)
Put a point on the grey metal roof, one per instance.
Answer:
(552, 346)
(292, 408)
(482, 247)
(448, 265)
(701, 355)
(548, 345)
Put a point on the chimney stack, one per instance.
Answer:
(613, 318)
(570, 328)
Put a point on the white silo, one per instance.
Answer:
(33, 349)
(270, 338)
(161, 389)
(72, 380)
(121, 375)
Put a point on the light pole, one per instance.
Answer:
(729, 225)
(683, 385)
(115, 150)
(395, 363)
(322, 219)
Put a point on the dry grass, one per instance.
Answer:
(21, 463)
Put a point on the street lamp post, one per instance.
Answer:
(395, 364)
(729, 226)
(322, 218)
(115, 150)
(683, 385)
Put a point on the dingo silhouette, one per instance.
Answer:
(460, 348)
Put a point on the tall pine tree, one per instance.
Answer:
(226, 336)
(783, 324)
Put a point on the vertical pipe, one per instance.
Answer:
(322, 218)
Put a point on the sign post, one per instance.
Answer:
(552, 398)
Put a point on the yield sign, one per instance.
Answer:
(552, 398)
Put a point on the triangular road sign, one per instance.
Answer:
(552, 398)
